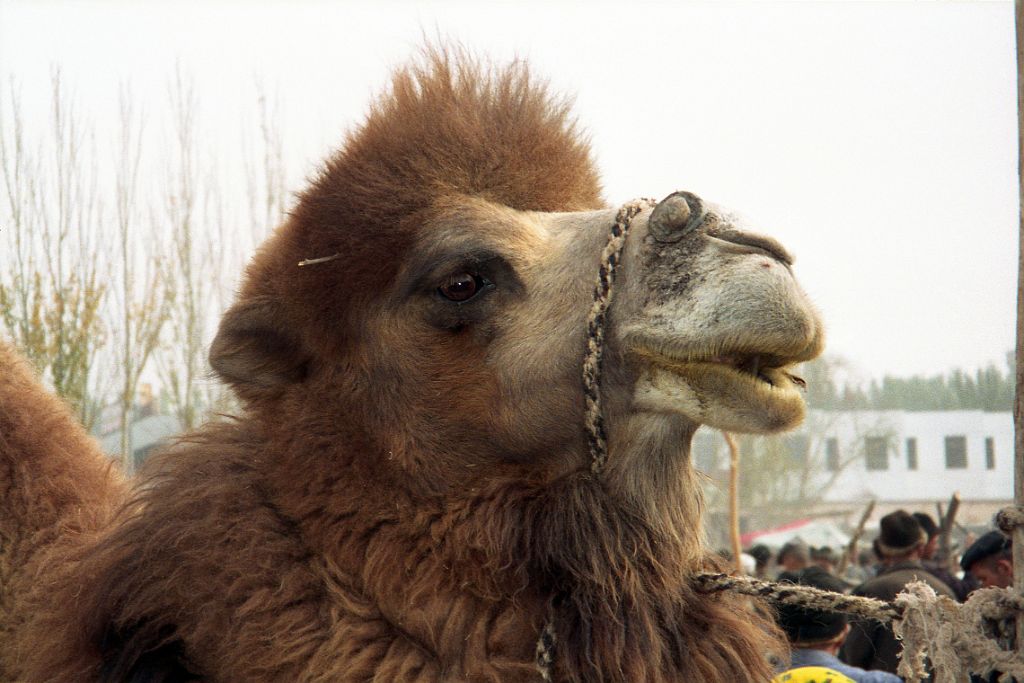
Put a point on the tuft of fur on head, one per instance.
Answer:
(452, 125)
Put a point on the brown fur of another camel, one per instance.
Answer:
(407, 495)
(57, 491)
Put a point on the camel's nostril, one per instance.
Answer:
(750, 242)
(675, 216)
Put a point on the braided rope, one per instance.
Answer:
(957, 639)
(597, 437)
(952, 636)
(545, 657)
(797, 596)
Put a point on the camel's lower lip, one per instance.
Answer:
(742, 391)
(721, 395)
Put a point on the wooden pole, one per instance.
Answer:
(850, 552)
(946, 523)
(1018, 404)
(734, 500)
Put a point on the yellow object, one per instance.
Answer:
(812, 674)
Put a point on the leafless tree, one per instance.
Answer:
(52, 297)
(182, 358)
(266, 176)
(141, 292)
(109, 273)
(21, 289)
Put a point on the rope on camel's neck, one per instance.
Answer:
(597, 437)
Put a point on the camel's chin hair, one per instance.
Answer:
(722, 397)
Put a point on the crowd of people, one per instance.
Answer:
(830, 646)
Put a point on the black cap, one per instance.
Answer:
(809, 625)
(990, 544)
(761, 553)
(927, 523)
(825, 553)
(796, 547)
(899, 533)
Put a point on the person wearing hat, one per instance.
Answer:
(931, 530)
(990, 560)
(811, 674)
(762, 555)
(793, 556)
(815, 636)
(872, 645)
(826, 558)
(930, 557)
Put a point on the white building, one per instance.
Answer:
(915, 457)
(900, 459)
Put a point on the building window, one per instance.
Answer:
(832, 454)
(990, 453)
(876, 453)
(911, 453)
(956, 452)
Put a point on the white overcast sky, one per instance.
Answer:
(877, 140)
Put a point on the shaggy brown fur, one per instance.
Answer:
(391, 506)
(56, 487)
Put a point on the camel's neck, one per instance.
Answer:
(616, 576)
(470, 578)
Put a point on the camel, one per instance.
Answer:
(410, 491)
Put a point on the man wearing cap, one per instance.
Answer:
(762, 557)
(826, 558)
(793, 556)
(815, 636)
(872, 645)
(990, 560)
(938, 566)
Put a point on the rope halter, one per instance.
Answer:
(597, 436)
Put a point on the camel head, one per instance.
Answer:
(453, 247)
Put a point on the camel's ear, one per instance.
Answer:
(255, 348)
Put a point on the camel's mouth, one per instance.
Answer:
(737, 390)
(767, 368)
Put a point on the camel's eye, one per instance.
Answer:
(462, 287)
